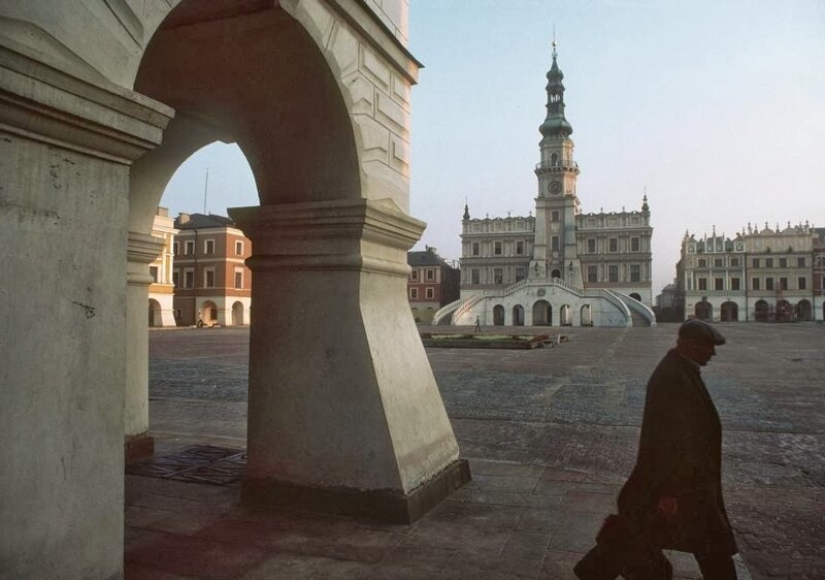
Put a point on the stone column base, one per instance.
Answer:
(385, 506)
(138, 447)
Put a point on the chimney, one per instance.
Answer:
(184, 218)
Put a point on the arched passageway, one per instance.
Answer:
(542, 313)
(237, 314)
(804, 310)
(703, 310)
(316, 95)
(586, 315)
(566, 315)
(498, 315)
(154, 313)
(555, 274)
(784, 312)
(518, 315)
(729, 312)
(636, 296)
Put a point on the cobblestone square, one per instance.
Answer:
(551, 434)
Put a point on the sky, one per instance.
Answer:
(714, 109)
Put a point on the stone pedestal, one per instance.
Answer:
(142, 249)
(344, 411)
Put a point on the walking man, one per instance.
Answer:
(673, 498)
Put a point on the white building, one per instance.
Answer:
(561, 267)
(162, 288)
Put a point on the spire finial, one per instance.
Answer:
(555, 44)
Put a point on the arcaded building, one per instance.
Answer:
(767, 275)
(560, 266)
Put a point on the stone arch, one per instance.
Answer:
(636, 296)
(154, 313)
(556, 274)
(207, 313)
(587, 315)
(237, 313)
(542, 313)
(566, 315)
(498, 315)
(703, 310)
(729, 311)
(518, 315)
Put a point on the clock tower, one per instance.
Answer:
(555, 253)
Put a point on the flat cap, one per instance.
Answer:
(695, 329)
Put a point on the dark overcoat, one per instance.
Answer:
(680, 455)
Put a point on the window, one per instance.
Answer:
(635, 273)
(768, 283)
(209, 246)
(755, 283)
(800, 262)
(414, 274)
(498, 275)
(591, 246)
(734, 284)
(783, 283)
(430, 292)
(554, 243)
(703, 263)
(430, 274)
(614, 244)
(209, 278)
(153, 272)
(175, 248)
(554, 216)
(769, 262)
(783, 262)
(718, 263)
(190, 248)
(718, 284)
(519, 248)
(413, 293)
(703, 283)
(475, 275)
(519, 273)
(238, 248)
(734, 262)
(634, 244)
(239, 278)
(476, 249)
(755, 262)
(497, 248)
(189, 278)
(802, 283)
(175, 275)
(613, 273)
(592, 274)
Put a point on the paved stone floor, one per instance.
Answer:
(550, 435)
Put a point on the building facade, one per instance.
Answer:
(767, 275)
(432, 284)
(561, 266)
(213, 285)
(162, 287)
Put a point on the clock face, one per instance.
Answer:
(554, 187)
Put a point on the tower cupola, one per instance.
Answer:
(555, 123)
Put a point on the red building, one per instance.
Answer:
(433, 283)
(213, 286)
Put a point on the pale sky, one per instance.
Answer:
(715, 108)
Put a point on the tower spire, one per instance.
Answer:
(555, 124)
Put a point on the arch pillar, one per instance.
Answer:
(344, 412)
(141, 250)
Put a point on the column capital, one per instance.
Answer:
(141, 250)
(361, 234)
(89, 115)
